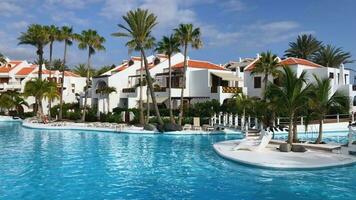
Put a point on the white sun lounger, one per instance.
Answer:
(255, 144)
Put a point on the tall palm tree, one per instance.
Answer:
(37, 36)
(105, 92)
(169, 46)
(266, 65)
(187, 35)
(38, 88)
(132, 45)
(65, 34)
(291, 95)
(53, 34)
(139, 27)
(331, 56)
(92, 41)
(322, 101)
(2, 59)
(305, 47)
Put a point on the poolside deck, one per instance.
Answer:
(272, 158)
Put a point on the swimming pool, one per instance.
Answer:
(49, 164)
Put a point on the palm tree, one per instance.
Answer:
(37, 36)
(139, 27)
(149, 43)
(57, 64)
(12, 99)
(331, 56)
(82, 70)
(291, 95)
(38, 88)
(91, 40)
(322, 101)
(243, 103)
(106, 91)
(51, 94)
(266, 65)
(169, 46)
(187, 35)
(65, 34)
(2, 59)
(53, 35)
(305, 47)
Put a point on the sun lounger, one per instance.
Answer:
(187, 127)
(255, 144)
(207, 127)
(196, 124)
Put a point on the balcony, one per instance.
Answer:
(129, 90)
(10, 86)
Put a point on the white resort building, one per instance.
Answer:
(15, 74)
(204, 81)
(340, 77)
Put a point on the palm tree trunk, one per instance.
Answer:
(149, 83)
(180, 118)
(290, 129)
(87, 87)
(40, 61)
(142, 120)
(265, 82)
(169, 89)
(295, 131)
(62, 83)
(148, 104)
(320, 136)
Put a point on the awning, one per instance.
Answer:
(158, 99)
(227, 76)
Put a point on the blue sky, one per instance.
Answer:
(230, 28)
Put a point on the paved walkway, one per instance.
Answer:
(272, 158)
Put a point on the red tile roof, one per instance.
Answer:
(122, 67)
(287, 62)
(6, 68)
(66, 73)
(26, 70)
(199, 64)
(298, 61)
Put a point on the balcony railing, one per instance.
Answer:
(231, 90)
(129, 90)
(226, 89)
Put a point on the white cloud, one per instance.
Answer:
(70, 4)
(9, 9)
(233, 5)
(19, 24)
(68, 18)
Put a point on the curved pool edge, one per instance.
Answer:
(222, 153)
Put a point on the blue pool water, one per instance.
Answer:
(94, 165)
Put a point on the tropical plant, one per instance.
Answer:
(105, 92)
(187, 35)
(139, 27)
(92, 41)
(37, 36)
(53, 34)
(2, 59)
(102, 70)
(12, 99)
(305, 47)
(267, 65)
(51, 94)
(243, 104)
(65, 34)
(38, 88)
(169, 46)
(57, 64)
(323, 101)
(82, 70)
(291, 95)
(331, 56)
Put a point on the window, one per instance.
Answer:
(354, 101)
(331, 75)
(242, 69)
(257, 82)
(346, 77)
